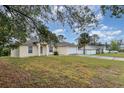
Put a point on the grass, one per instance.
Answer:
(60, 71)
(121, 55)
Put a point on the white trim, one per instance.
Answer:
(39, 49)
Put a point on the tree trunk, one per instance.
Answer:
(84, 50)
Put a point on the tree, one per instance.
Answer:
(20, 21)
(83, 40)
(114, 45)
(52, 39)
(107, 46)
(45, 35)
(23, 19)
(61, 38)
(5, 36)
(95, 38)
(114, 10)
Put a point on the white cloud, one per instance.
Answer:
(116, 32)
(99, 16)
(104, 27)
(107, 35)
(58, 31)
(110, 37)
(99, 33)
(112, 33)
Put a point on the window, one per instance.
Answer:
(50, 49)
(30, 49)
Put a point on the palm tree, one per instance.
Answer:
(83, 40)
(95, 38)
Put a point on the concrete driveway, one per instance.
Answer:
(105, 57)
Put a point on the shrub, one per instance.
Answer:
(121, 50)
(56, 53)
(5, 51)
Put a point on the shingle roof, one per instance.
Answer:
(63, 44)
(30, 42)
(60, 44)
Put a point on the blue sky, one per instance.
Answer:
(109, 28)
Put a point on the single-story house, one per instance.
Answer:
(33, 48)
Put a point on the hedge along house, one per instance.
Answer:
(33, 48)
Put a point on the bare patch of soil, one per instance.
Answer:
(10, 76)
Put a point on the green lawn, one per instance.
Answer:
(121, 55)
(60, 71)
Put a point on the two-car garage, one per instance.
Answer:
(66, 48)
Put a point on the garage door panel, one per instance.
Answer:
(72, 50)
(89, 52)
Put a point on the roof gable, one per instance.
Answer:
(64, 44)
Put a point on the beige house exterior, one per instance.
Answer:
(23, 51)
(65, 48)
(31, 48)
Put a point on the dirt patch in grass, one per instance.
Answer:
(106, 78)
(10, 76)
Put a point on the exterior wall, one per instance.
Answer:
(90, 51)
(67, 50)
(90, 47)
(93, 49)
(101, 49)
(72, 50)
(24, 51)
(122, 47)
(80, 51)
(15, 52)
(87, 51)
(44, 50)
(62, 50)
